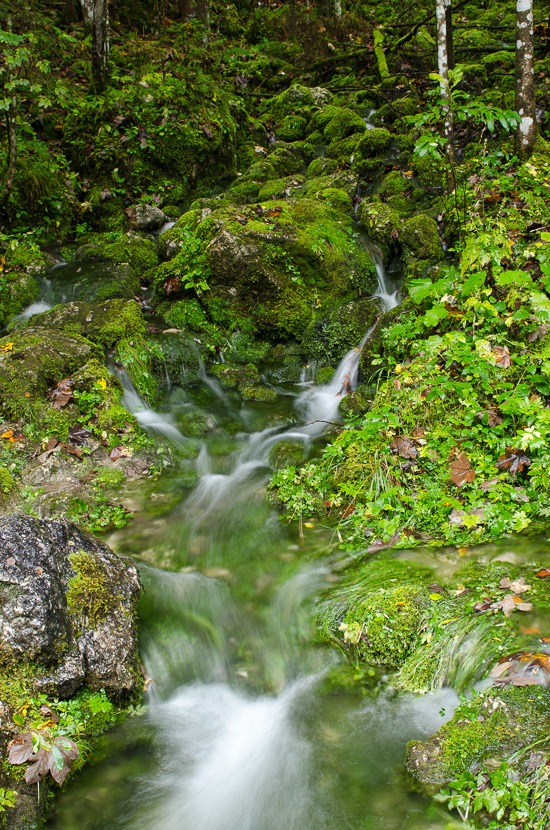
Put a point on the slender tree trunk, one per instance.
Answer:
(443, 70)
(526, 133)
(6, 179)
(100, 44)
(87, 9)
(203, 13)
(338, 9)
(292, 16)
(185, 9)
(449, 33)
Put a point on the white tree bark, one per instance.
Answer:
(443, 71)
(338, 8)
(525, 78)
(87, 8)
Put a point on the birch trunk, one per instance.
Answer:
(526, 133)
(338, 9)
(443, 71)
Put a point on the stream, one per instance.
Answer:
(243, 730)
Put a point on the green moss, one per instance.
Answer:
(374, 142)
(292, 128)
(419, 236)
(380, 222)
(321, 166)
(258, 393)
(7, 483)
(116, 417)
(344, 123)
(129, 323)
(287, 453)
(324, 375)
(336, 199)
(16, 293)
(343, 149)
(492, 724)
(291, 100)
(109, 478)
(380, 627)
(236, 376)
(280, 188)
(90, 593)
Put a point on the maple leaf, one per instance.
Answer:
(461, 470)
(510, 603)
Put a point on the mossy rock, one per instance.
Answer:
(343, 149)
(420, 239)
(104, 323)
(429, 172)
(381, 223)
(343, 124)
(194, 423)
(398, 109)
(343, 180)
(291, 100)
(379, 628)
(26, 256)
(374, 143)
(285, 160)
(276, 273)
(330, 337)
(292, 128)
(138, 251)
(281, 188)
(19, 291)
(495, 723)
(287, 453)
(357, 402)
(234, 376)
(179, 364)
(38, 359)
(335, 198)
(324, 375)
(321, 166)
(258, 393)
(91, 281)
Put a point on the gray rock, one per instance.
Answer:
(68, 602)
(149, 217)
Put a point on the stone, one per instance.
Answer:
(68, 603)
(149, 217)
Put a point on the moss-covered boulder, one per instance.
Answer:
(421, 245)
(174, 361)
(495, 723)
(329, 338)
(291, 101)
(232, 376)
(138, 251)
(292, 128)
(381, 223)
(104, 323)
(397, 190)
(277, 270)
(18, 291)
(94, 280)
(32, 360)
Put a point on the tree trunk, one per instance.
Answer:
(100, 44)
(203, 13)
(526, 133)
(449, 33)
(443, 70)
(338, 9)
(185, 9)
(87, 9)
(292, 16)
(6, 180)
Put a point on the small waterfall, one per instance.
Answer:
(388, 289)
(231, 763)
(147, 417)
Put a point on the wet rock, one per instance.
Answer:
(139, 252)
(104, 323)
(329, 338)
(493, 724)
(32, 360)
(149, 217)
(278, 269)
(67, 602)
(95, 279)
(233, 376)
(19, 290)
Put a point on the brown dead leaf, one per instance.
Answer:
(510, 603)
(461, 470)
(518, 586)
(502, 356)
(513, 461)
(486, 486)
(405, 447)
(544, 573)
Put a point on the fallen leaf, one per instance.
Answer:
(513, 461)
(20, 749)
(461, 470)
(486, 486)
(502, 356)
(543, 573)
(7, 347)
(78, 436)
(518, 586)
(511, 603)
(115, 453)
(405, 447)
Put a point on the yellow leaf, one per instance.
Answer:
(436, 597)
(8, 434)
(398, 369)
(8, 347)
(102, 383)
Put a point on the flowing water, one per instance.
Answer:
(243, 731)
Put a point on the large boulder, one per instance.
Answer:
(32, 360)
(276, 266)
(149, 217)
(104, 323)
(68, 604)
(330, 337)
